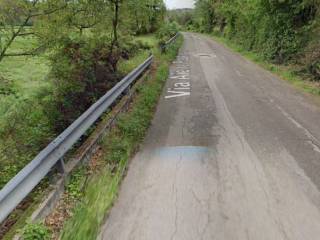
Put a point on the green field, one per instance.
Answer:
(26, 73)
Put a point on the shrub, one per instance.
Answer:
(312, 60)
(278, 30)
(35, 231)
(312, 53)
(24, 130)
(82, 71)
(167, 31)
(131, 48)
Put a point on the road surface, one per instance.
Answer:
(233, 154)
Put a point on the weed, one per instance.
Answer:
(73, 188)
(35, 231)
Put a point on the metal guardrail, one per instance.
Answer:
(168, 43)
(29, 177)
(171, 40)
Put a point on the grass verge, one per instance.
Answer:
(117, 148)
(286, 72)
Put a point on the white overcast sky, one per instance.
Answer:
(173, 4)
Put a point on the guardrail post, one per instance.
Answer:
(61, 166)
(128, 93)
(128, 90)
(58, 168)
(163, 48)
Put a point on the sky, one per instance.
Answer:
(173, 4)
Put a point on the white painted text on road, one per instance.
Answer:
(180, 78)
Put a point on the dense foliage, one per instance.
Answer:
(166, 31)
(280, 30)
(184, 17)
(24, 127)
(83, 70)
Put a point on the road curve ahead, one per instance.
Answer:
(233, 154)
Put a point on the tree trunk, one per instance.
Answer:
(115, 22)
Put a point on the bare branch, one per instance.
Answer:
(20, 54)
(48, 12)
(26, 34)
(32, 52)
(18, 32)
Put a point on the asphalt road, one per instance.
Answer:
(233, 153)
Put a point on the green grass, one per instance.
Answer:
(150, 39)
(126, 66)
(26, 73)
(287, 73)
(118, 147)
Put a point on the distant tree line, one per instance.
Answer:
(183, 17)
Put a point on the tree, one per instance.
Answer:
(184, 17)
(16, 17)
(85, 14)
(278, 29)
(205, 14)
(146, 16)
(115, 7)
